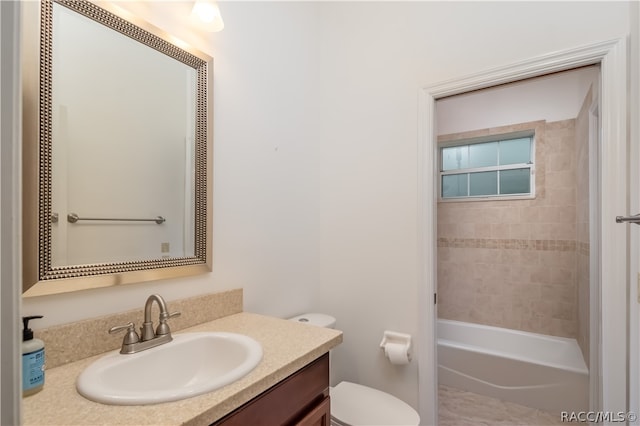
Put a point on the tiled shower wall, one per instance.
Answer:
(512, 263)
(582, 218)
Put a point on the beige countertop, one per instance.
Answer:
(287, 347)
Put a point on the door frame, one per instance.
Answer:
(634, 207)
(10, 217)
(612, 253)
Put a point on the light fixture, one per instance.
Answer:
(206, 16)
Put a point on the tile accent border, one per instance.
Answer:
(584, 248)
(505, 243)
(71, 342)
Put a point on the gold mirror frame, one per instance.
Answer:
(39, 276)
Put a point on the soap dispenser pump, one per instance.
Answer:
(32, 359)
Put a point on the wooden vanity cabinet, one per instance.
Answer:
(300, 399)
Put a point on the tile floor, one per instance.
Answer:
(461, 408)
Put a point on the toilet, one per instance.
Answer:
(353, 404)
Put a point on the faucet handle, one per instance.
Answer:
(130, 337)
(163, 327)
(165, 315)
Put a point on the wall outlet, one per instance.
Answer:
(164, 247)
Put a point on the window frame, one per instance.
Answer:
(468, 171)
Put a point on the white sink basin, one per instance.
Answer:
(190, 365)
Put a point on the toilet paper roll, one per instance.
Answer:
(397, 353)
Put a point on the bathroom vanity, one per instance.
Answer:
(289, 386)
(300, 399)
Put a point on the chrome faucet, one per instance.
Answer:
(132, 342)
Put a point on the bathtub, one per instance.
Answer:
(535, 370)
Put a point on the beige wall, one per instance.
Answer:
(513, 263)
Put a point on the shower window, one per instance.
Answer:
(496, 167)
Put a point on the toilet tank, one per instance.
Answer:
(319, 320)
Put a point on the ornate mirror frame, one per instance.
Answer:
(39, 276)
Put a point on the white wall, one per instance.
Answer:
(265, 170)
(315, 154)
(553, 97)
(374, 58)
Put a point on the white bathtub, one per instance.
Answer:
(535, 370)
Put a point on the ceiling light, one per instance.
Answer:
(206, 16)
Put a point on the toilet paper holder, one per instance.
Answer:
(395, 338)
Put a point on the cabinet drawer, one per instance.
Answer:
(288, 402)
(319, 416)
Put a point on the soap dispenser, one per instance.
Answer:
(32, 360)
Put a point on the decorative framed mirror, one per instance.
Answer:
(117, 155)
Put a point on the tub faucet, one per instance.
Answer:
(148, 338)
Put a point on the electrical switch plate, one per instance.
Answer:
(164, 247)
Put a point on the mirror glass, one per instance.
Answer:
(122, 160)
(128, 159)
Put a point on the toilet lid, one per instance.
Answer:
(354, 404)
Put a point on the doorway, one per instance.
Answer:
(611, 253)
(513, 249)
